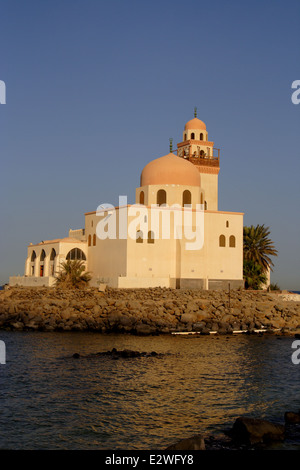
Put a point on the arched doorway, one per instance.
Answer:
(76, 254)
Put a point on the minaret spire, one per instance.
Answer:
(195, 111)
(171, 145)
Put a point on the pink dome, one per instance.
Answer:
(170, 169)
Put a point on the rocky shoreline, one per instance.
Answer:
(149, 311)
(247, 434)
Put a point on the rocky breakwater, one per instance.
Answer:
(147, 311)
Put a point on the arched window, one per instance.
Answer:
(232, 241)
(186, 197)
(89, 240)
(227, 223)
(161, 197)
(205, 205)
(222, 240)
(201, 136)
(139, 236)
(192, 135)
(94, 239)
(201, 153)
(76, 254)
(33, 256)
(142, 197)
(43, 255)
(201, 199)
(52, 255)
(150, 238)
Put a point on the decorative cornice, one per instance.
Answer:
(196, 142)
(208, 169)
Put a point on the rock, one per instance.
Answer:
(114, 318)
(96, 310)
(162, 309)
(144, 329)
(125, 353)
(198, 326)
(192, 307)
(253, 431)
(32, 325)
(116, 354)
(134, 305)
(192, 443)
(291, 417)
(227, 318)
(49, 328)
(237, 312)
(205, 331)
(126, 320)
(193, 317)
(17, 325)
(65, 314)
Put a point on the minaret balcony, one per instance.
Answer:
(203, 160)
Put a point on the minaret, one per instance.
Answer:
(200, 151)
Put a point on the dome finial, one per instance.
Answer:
(195, 111)
(171, 144)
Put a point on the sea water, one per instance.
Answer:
(50, 400)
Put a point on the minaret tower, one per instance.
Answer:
(196, 148)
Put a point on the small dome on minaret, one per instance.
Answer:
(195, 124)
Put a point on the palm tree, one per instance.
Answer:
(253, 275)
(72, 275)
(258, 247)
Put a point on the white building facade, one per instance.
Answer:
(173, 236)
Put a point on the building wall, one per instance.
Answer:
(172, 258)
(224, 262)
(106, 257)
(209, 183)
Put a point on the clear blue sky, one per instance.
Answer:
(95, 89)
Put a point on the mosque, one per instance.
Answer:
(173, 236)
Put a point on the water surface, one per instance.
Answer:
(49, 400)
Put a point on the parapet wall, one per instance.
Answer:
(31, 281)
